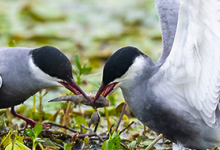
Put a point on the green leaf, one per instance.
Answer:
(37, 129)
(109, 145)
(116, 140)
(48, 142)
(104, 145)
(114, 135)
(74, 72)
(6, 139)
(30, 133)
(131, 146)
(11, 43)
(17, 146)
(112, 143)
(120, 107)
(86, 70)
(80, 120)
(40, 140)
(86, 140)
(84, 66)
(67, 146)
(77, 62)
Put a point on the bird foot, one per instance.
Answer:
(28, 121)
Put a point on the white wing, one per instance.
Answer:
(194, 61)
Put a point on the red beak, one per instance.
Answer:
(72, 86)
(105, 89)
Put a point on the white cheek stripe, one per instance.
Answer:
(133, 70)
(41, 76)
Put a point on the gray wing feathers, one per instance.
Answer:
(168, 15)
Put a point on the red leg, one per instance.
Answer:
(29, 121)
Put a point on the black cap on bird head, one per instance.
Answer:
(116, 66)
(54, 63)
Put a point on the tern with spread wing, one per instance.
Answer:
(178, 97)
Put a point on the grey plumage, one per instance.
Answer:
(25, 71)
(177, 96)
(14, 69)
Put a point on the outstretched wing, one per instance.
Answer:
(194, 61)
(168, 14)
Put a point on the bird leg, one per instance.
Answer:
(28, 121)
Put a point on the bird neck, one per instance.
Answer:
(141, 70)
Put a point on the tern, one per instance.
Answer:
(177, 96)
(25, 71)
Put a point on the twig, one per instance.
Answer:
(90, 134)
(58, 145)
(40, 107)
(33, 109)
(87, 128)
(107, 118)
(145, 130)
(126, 127)
(80, 110)
(102, 137)
(122, 113)
(65, 127)
(154, 142)
(66, 118)
(41, 146)
(73, 142)
(8, 114)
(124, 146)
(83, 146)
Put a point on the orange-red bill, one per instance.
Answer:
(105, 89)
(73, 86)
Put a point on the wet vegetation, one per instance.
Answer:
(88, 32)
